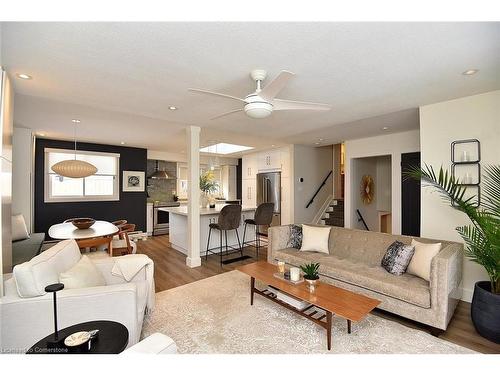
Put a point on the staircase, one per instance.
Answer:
(334, 215)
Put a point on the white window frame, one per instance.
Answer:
(79, 198)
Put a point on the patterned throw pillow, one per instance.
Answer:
(397, 257)
(295, 239)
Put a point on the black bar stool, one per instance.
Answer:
(263, 216)
(229, 219)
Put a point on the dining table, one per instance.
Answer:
(100, 233)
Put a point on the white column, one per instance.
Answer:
(193, 155)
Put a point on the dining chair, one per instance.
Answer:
(121, 243)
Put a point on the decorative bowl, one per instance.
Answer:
(83, 222)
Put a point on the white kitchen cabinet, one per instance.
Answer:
(286, 200)
(248, 192)
(269, 160)
(149, 219)
(285, 161)
(249, 166)
(229, 182)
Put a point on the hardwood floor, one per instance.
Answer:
(171, 271)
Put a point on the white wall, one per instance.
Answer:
(312, 164)
(475, 116)
(390, 144)
(383, 183)
(22, 182)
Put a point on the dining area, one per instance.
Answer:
(97, 237)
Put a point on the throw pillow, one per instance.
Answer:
(295, 239)
(397, 257)
(84, 274)
(19, 230)
(420, 264)
(315, 239)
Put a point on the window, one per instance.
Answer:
(103, 186)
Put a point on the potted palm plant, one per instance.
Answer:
(208, 186)
(481, 237)
(311, 274)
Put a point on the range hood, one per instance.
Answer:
(159, 175)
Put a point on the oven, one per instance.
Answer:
(160, 221)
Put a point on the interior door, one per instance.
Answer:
(410, 196)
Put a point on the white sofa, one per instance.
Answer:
(27, 311)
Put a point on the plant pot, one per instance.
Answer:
(312, 283)
(485, 311)
(204, 200)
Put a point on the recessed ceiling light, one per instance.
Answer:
(76, 121)
(172, 108)
(41, 134)
(272, 145)
(385, 128)
(320, 139)
(470, 72)
(23, 76)
(122, 143)
(317, 143)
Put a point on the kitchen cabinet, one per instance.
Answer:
(149, 219)
(286, 199)
(248, 193)
(249, 166)
(229, 182)
(269, 160)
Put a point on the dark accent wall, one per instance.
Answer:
(131, 206)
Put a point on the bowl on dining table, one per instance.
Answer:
(83, 222)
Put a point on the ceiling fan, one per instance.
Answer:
(262, 102)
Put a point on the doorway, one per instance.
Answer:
(410, 196)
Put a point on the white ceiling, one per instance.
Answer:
(122, 77)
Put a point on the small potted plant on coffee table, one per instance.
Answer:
(311, 274)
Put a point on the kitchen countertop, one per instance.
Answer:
(182, 210)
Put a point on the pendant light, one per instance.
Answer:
(74, 168)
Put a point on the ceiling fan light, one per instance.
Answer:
(74, 169)
(259, 109)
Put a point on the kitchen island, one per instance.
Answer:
(178, 231)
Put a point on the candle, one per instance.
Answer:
(294, 274)
(281, 267)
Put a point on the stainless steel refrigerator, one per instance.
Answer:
(269, 190)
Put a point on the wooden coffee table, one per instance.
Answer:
(333, 300)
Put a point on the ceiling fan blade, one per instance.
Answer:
(285, 105)
(216, 94)
(273, 88)
(227, 113)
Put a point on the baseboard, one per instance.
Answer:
(467, 295)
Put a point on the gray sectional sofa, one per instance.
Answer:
(25, 250)
(354, 264)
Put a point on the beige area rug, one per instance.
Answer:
(214, 316)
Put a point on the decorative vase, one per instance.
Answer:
(204, 200)
(312, 284)
(485, 311)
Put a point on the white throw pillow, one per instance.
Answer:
(420, 264)
(315, 239)
(84, 274)
(19, 230)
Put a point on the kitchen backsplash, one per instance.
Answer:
(161, 190)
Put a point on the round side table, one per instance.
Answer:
(112, 339)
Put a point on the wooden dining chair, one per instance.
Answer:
(119, 223)
(89, 243)
(123, 245)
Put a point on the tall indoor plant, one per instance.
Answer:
(481, 237)
(208, 185)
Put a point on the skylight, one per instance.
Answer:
(224, 148)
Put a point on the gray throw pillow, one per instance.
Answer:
(295, 239)
(397, 258)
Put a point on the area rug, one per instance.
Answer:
(214, 316)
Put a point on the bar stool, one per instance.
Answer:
(229, 219)
(263, 216)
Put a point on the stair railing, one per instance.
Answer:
(319, 188)
(360, 218)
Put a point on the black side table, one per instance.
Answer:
(112, 339)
